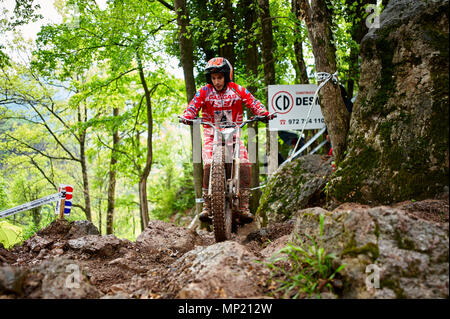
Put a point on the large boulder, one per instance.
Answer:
(82, 228)
(161, 235)
(296, 185)
(398, 138)
(388, 252)
(58, 278)
(93, 245)
(223, 270)
(64, 229)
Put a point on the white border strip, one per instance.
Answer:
(31, 205)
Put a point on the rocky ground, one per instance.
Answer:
(71, 260)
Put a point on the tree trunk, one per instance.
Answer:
(251, 63)
(226, 48)
(202, 42)
(149, 156)
(301, 73)
(100, 215)
(267, 43)
(112, 180)
(186, 48)
(332, 105)
(87, 199)
(143, 225)
(36, 213)
(143, 202)
(187, 62)
(134, 221)
(268, 59)
(251, 45)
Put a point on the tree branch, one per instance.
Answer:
(168, 6)
(53, 134)
(131, 158)
(39, 151)
(41, 171)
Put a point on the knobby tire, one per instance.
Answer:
(220, 209)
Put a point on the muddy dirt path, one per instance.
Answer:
(71, 260)
(115, 268)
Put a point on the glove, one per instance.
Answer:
(185, 120)
(268, 117)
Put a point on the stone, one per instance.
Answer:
(398, 137)
(62, 278)
(42, 253)
(222, 270)
(36, 243)
(57, 251)
(100, 245)
(80, 228)
(58, 278)
(11, 280)
(161, 235)
(405, 257)
(275, 246)
(296, 185)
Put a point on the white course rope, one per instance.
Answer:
(323, 77)
(261, 186)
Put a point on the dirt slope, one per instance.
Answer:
(71, 260)
(116, 268)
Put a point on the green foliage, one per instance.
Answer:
(172, 191)
(4, 59)
(30, 228)
(29, 231)
(3, 195)
(303, 268)
(87, 66)
(10, 235)
(287, 29)
(24, 11)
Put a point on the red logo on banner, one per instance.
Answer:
(282, 102)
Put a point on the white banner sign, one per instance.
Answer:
(293, 102)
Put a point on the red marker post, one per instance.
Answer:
(62, 203)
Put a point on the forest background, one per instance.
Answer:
(92, 101)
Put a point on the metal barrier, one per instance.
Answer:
(63, 206)
(304, 147)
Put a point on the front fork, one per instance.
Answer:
(235, 178)
(233, 183)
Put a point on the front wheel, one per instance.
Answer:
(220, 207)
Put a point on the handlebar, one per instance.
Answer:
(200, 120)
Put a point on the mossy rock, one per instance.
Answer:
(294, 186)
(398, 138)
(410, 254)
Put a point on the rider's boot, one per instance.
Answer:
(244, 191)
(205, 215)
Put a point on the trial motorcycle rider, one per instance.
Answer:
(222, 100)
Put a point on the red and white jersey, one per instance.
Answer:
(228, 103)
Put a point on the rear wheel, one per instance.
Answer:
(220, 207)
